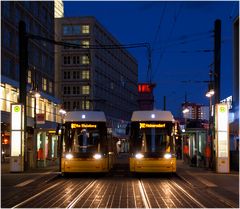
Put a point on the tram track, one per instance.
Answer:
(141, 192)
(144, 195)
(36, 195)
(76, 199)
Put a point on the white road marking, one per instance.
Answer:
(25, 183)
(206, 182)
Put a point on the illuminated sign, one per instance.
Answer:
(40, 118)
(17, 138)
(152, 125)
(83, 125)
(222, 138)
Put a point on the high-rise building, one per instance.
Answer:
(39, 19)
(95, 79)
(58, 8)
(195, 111)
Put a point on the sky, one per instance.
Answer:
(179, 33)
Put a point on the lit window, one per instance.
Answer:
(44, 84)
(85, 44)
(85, 105)
(85, 89)
(85, 74)
(29, 76)
(85, 60)
(85, 29)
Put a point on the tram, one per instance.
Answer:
(152, 142)
(86, 146)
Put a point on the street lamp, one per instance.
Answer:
(35, 94)
(184, 111)
(62, 112)
(210, 94)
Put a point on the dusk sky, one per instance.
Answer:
(178, 33)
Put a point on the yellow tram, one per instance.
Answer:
(152, 142)
(86, 145)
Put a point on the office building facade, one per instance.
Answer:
(39, 19)
(94, 77)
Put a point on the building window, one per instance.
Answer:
(44, 84)
(66, 75)
(75, 59)
(6, 9)
(85, 44)
(85, 60)
(50, 87)
(66, 60)
(85, 74)
(85, 90)
(71, 30)
(85, 29)
(7, 38)
(29, 79)
(66, 90)
(76, 105)
(67, 105)
(75, 74)
(85, 105)
(76, 90)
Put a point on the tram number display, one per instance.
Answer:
(83, 125)
(152, 125)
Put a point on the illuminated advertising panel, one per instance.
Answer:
(17, 137)
(222, 138)
(16, 117)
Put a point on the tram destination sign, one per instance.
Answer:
(152, 125)
(83, 125)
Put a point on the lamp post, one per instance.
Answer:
(210, 94)
(35, 95)
(185, 111)
(62, 112)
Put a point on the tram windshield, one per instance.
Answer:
(83, 138)
(152, 137)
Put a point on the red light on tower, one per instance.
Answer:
(145, 88)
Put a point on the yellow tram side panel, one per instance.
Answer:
(86, 165)
(153, 165)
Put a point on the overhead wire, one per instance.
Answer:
(169, 36)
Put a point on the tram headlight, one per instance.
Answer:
(139, 155)
(69, 156)
(167, 156)
(97, 156)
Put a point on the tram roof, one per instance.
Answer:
(152, 115)
(81, 116)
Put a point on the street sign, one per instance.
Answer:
(17, 137)
(222, 138)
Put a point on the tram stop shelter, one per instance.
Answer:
(196, 141)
